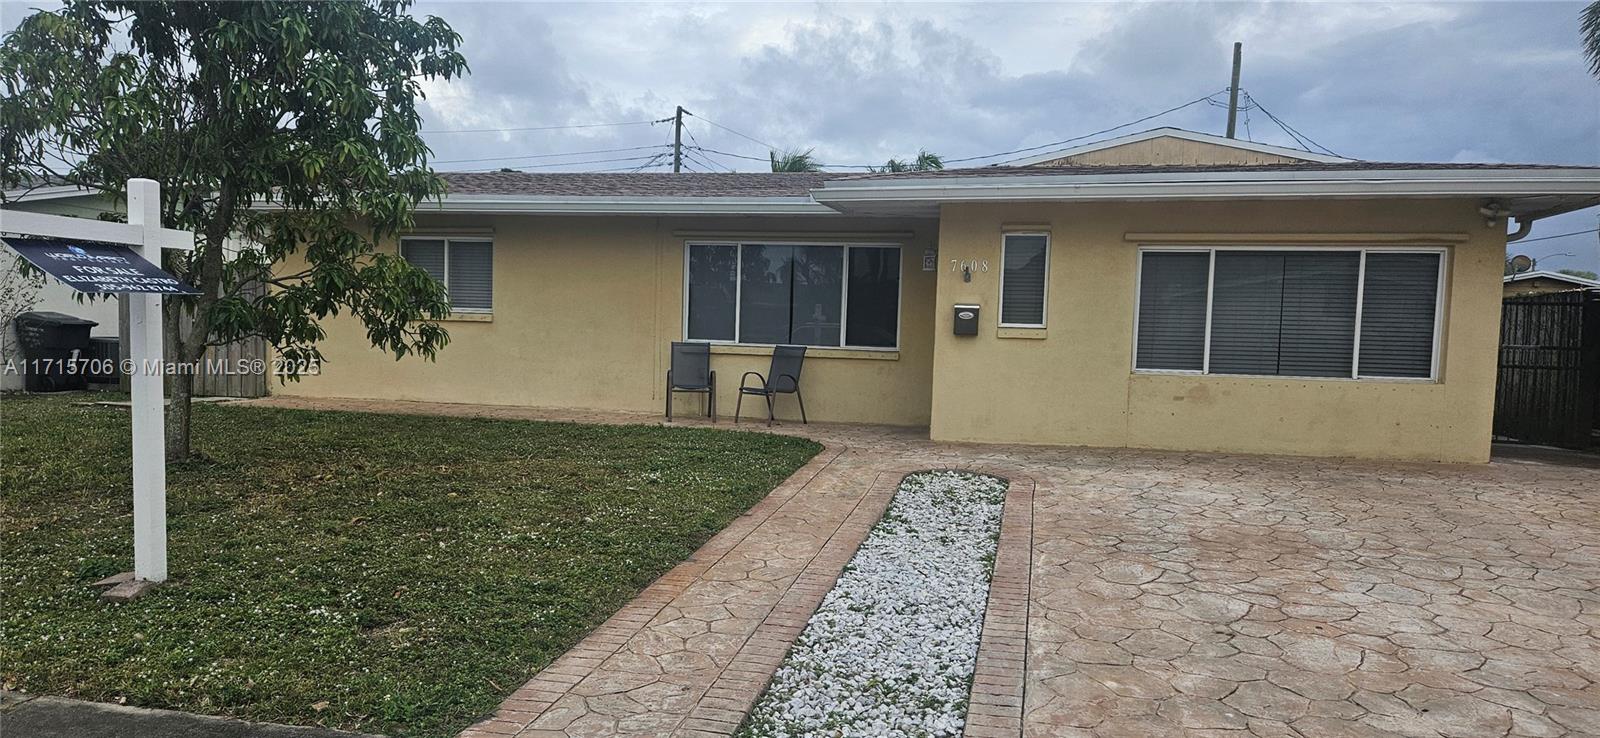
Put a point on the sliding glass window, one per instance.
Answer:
(808, 294)
(1289, 312)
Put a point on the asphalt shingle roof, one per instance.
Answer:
(799, 184)
(635, 184)
(1310, 166)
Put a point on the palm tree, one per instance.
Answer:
(794, 161)
(1590, 23)
(925, 162)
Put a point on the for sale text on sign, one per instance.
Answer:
(97, 267)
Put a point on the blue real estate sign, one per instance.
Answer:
(97, 267)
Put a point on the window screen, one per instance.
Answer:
(1289, 313)
(874, 302)
(465, 267)
(766, 279)
(1023, 279)
(713, 287)
(471, 282)
(1172, 310)
(1400, 298)
(425, 253)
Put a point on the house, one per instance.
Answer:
(53, 296)
(1163, 290)
(1539, 282)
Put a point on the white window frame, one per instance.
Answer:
(1044, 300)
(844, 290)
(446, 280)
(1439, 302)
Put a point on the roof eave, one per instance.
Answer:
(1557, 276)
(584, 205)
(1353, 184)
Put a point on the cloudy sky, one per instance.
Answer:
(863, 82)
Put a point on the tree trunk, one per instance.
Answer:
(179, 383)
(179, 392)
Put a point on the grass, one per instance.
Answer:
(385, 573)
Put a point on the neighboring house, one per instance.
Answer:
(1302, 307)
(1541, 282)
(54, 296)
(1172, 146)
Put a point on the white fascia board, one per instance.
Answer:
(1175, 133)
(1542, 274)
(53, 192)
(1220, 185)
(507, 204)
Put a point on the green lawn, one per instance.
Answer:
(388, 573)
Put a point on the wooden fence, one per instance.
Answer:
(237, 369)
(1549, 381)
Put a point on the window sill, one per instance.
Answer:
(1037, 334)
(812, 352)
(1283, 377)
(468, 318)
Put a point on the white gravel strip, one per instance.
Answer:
(891, 650)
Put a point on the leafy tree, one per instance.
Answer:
(925, 162)
(1589, 22)
(284, 123)
(1579, 273)
(794, 161)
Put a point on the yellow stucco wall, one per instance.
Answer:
(1169, 150)
(585, 309)
(1076, 385)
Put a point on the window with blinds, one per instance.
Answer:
(465, 266)
(811, 294)
(1399, 308)
(1024, 269)
(1296, 313)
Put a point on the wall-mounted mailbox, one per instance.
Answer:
(966, 320)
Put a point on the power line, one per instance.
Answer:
(1296, 135)
(736, 133)
(574, 163)
(724, 153)
(640, 168)
(1174, 109)
(1558, 235)
(694, 144)
(655, 161)
(713, 166)
(546, 156)
(553, 128)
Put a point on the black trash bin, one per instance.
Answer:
(105, 356)
(55, 349)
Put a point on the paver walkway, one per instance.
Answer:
(1168, 594)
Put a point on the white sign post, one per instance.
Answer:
(144, 235)
(149, 406)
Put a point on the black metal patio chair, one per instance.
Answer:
(691, 372)
(783, 378)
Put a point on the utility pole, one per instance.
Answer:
(1233, 89)
(677, 139)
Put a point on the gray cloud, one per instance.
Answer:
(861, 83)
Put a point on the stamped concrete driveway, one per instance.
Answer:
(1208, 595)
(1168, 595)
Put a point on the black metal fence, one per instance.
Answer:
(1549, 385)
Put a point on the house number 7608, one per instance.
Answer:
(969, 265)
